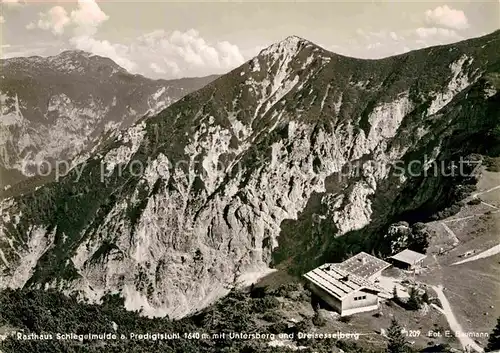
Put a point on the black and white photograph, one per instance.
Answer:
(249, 176)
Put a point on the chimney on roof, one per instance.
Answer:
(345, 278)
(363, 260)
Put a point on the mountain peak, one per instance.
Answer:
(282, 127)
(289, 46)
(295, 39)
(80, 55)
(83, 61)
(73, 52)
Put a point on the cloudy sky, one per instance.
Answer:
(170, 39)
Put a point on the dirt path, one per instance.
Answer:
(485, 191)
(489, 205)
(450, 233)
(466, 342)
(438, 265)
(487, 253)
(469, 217)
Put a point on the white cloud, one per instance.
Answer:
(156, 54)
(84, 20)
(230, 54)
(442, 26)
(251, 52)
(166, 54)
(428, 36)
(156, 68)
(30, 26)
(87, 17)
(360, 32)
(383, 43)
(172, 68)
(178, 54)
(2, 19)
(373, 45)
(378, 35)
(429, 32)
(444, 16)
(54, 20)
(116, 52)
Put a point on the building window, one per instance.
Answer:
(360, 297)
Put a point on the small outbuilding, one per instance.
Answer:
(344, 291)
(408, 259)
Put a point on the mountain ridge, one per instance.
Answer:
(82, 54)
(58, 107)
(249, 172)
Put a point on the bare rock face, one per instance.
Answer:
(54, 108)
(255, 169)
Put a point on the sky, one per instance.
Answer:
(173, 39)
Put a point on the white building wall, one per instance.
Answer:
(363, 309)
(348, 305)
(351, 306)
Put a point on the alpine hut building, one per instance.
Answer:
(408, 259)
(346, 292)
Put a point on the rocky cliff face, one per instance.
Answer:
(54, 108)
(254, 169)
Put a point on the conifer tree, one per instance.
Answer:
(494, 340)
(397, 341)
(395, 296)
(413, 302)
(425, 297)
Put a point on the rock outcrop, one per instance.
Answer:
(53, 109)
(269, 164)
